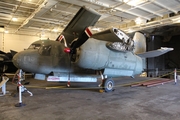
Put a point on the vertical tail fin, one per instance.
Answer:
(140, 47)
(139, 43)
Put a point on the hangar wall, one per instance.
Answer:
(19, 42)
(156, 64)
(154, 43)
(165, 63)
(173, 57)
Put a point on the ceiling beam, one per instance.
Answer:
(164, 6)
(121, 10)
(32, 15)
(16, 5)
(131, 13)
(150, 11)
(140, 6)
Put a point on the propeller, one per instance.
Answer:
(76, 44)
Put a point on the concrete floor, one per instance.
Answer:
(125, 103)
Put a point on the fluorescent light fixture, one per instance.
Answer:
(140, 21)
(14, 19)
(177, 21)
(6, 31)
(55, 30)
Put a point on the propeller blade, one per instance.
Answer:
(82, 39)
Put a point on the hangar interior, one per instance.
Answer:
(25, 21)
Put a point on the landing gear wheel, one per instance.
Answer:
(108, 85)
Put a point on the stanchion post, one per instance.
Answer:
(175, 77)
(3, 85)
(20, 104)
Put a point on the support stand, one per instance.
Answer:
(3, 85)
(175, 77)
(103, 78)
(68, 83)
(21, 89)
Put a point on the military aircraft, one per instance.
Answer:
(78, 56)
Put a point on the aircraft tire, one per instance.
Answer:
(108, 85)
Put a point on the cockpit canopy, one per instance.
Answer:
(34, 46)
(43, 48)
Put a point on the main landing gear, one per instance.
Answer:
(107, 84)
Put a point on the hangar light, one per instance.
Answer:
(55, 30)
(140, 21)
(176, 20)
(6, 31)
(14, 19)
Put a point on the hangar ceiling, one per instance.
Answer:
(37, 17)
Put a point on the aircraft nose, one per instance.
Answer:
(26, 60)
(16, 60)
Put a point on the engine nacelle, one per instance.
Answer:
(95, 55)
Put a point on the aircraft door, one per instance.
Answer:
(45, 60)
(60, 60)
(56, 55)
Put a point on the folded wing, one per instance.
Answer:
(117, 40)
(84, 18)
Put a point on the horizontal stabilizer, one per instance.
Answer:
(155, 53)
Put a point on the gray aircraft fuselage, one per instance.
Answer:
(46, 56)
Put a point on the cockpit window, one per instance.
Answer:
(34, 46)
(45, 50)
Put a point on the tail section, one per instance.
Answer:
(140, 47)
